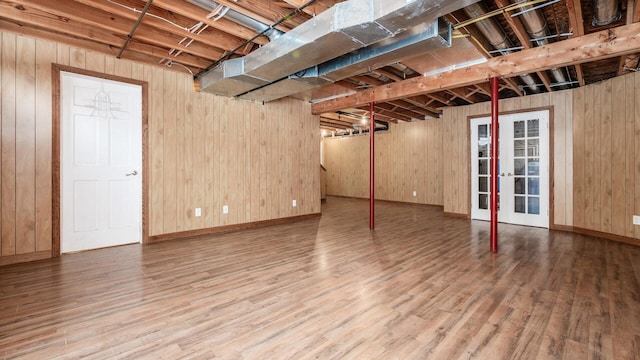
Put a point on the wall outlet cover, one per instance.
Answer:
(198, 212)
(294, 203)
(636, 219)
(225, 209)
(415, 193)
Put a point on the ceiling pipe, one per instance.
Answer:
(241, 19)
(605, 12)
(537, 28)
(498, 39)
(133, 30)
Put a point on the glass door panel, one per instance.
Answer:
(523, 168)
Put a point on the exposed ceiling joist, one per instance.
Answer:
(633, 15)
(623, 40)
(574, 9)
(189, 10)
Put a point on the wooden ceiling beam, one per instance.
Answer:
(69, 9)
(622, 40)
(83, 31)
(523, 36)
(516, 25)
(545, 80)
(460, 93)
(368, 80)
(235, 5)
(633, 15)
(439, 98)
(89, 45)
(419, 113)
(398, 113)
(484, 88)
(432, 111)
(215, 38)
(511, 84)
(195, 12)
(388, 74)
(313, 9)
(261, 11)
(576, 21)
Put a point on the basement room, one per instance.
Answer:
(320, 179)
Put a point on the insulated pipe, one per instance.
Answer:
(133, 30)
(605, 12)
(537, 28)
(498, 39)
(494, 164)
(372, 130)
(241, 19)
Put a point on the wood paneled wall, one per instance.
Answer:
(607, 156)
(408, 158)
(204, 151)
(456, 144)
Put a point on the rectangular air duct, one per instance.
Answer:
(345, 27)
(420, 39)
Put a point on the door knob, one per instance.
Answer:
(501, 174)
(134, 173)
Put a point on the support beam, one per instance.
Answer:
(494, 164)
(372, 131)
(623, 40)
(576, 21)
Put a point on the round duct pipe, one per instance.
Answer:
(498, 39)
(605, 12)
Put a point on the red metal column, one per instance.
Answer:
(494, 164)
(372, 130)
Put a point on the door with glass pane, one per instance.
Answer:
(523, 168)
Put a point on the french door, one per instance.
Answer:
(523, 168)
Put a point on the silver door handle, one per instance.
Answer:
(134, 173)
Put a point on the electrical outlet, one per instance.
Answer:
(415, 193)
(636, 219)
(198, 212)
(225, 209)
(293, 203)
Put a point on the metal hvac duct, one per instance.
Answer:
(419, 39)
(496, 37)
(537, 28)
(605, 12)
(346, 27)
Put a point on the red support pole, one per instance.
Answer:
(372, 130)
(494, 164)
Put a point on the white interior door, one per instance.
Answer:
(101, 163)
(523, 168)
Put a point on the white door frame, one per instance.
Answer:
(505, 178)
(56, 149)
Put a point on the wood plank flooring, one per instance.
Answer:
(421, 286)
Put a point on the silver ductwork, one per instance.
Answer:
(605, 12)
(241, 19)
(497, 38)
(537, 28)
(346, 27)
(420, 39)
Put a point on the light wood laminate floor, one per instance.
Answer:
(421, 286)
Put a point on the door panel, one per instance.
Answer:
(101, 153)
(523, 168)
